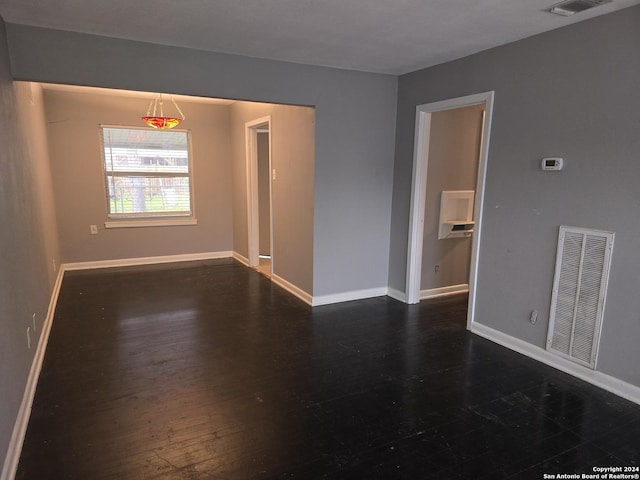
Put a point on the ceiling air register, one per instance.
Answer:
(571, 7)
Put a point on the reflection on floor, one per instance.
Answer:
(208, 370)
(265, 266)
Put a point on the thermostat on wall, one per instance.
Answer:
(552, 163)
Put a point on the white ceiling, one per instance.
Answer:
(386, 36)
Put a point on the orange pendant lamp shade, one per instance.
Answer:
(161, 122)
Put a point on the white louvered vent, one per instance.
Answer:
(579, 289)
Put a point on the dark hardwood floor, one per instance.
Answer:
(208, 371)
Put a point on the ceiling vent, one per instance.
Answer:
(571, 7)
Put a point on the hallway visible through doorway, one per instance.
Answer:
(259, 200)
(264, 267)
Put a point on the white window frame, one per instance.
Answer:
(161, 219)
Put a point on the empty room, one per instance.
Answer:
(319, 239)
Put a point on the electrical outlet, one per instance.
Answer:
(29, 338)
(53, 260)
(273, 174)
(437, 268)
(533, 318)
(34, 323)
(93, 229)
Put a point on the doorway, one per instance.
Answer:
(259, 201)
(448, 218)
(422, 145)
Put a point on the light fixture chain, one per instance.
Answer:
(178, 108)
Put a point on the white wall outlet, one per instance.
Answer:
(533, 318)
(273, 174)
(93, 229)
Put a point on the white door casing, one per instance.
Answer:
(419, 188)
(252, 129)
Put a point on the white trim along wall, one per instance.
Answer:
(599, 379)
(20, 427)
(444, 291)
(130, 262)
(349, 296)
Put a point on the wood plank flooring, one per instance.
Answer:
(209, 371)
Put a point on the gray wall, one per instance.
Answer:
(355, 119)
(292, 156)
(571, 92)
(453, 165)
(28, 238)
(74, 140)
(264, 209)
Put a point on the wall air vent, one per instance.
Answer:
(579, 291)
(571, 7)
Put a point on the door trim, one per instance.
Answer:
(419, 189)
(252, 129)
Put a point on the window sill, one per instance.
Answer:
(160, 222)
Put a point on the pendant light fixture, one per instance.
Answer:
(155, 115)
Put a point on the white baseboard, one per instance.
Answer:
(397, 295)
(130, 262)
(241, 258)
(599, 379)
(20, 427)
(281, 282)
(291, 288)
(444, 291)
(348, 296)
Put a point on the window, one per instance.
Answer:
(147, 173)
